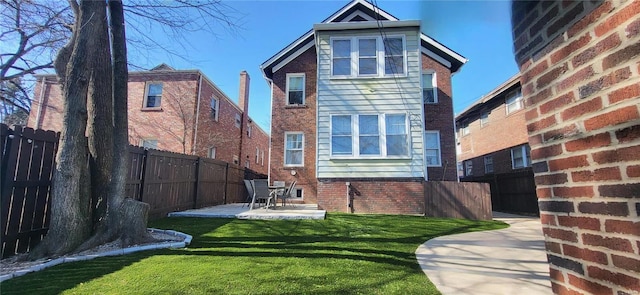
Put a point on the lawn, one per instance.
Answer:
(344, 254)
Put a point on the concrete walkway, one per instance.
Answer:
(506, 261)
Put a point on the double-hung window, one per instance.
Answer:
(429, 90)
(488, 164)
(154, 95)
(521, 156)
(295, 89)
(341, 57)
(393, 56)
(432, 148)
(215, 108)
(514, 101)
(293, 149)
(369, 135)
(368, 56)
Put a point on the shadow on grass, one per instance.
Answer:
(380, 239)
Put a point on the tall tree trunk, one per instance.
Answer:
(100, 109)
(70, 211)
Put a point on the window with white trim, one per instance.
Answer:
(521, 156)
(293, 149)
(215, 108)
(257, 155)
(488, 164)
(468, 168)
(149, 143)
(153, 95)
(429, 89)
(464, 128)
(368, 56)
(432, 152)
(211, 153)
(514, 101)
(484, 118)
(369, 135)
(295, 89)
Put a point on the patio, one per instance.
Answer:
(241, 211)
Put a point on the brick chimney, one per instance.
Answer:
(243, 94)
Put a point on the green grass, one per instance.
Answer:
(344, 254)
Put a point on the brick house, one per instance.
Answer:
(180, 111)
(579, 62)
(380, 126)
(493, 147)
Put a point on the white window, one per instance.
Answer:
(211, 153)
(149, 143)
(514, 101)
(464, 128)
(393, 55)
(238, 121)
(257, 155)
(488, 164)
(468, 168)
(367, 57)
(432, 148)
(215, 108)
(370, 56)
(153, 95)
(293, 149)
(236, 160)
(484, 118)
(295, 89)
(520, 157)
(369, 135)
(429, 90)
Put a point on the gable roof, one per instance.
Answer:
(355, 11)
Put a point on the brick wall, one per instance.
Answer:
(174, 121)
(510, 129)
(295, 118)
(440, 117)
(580, 76)
(388, 196)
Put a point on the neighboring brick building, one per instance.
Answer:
(382, 128)
(493, 147)
(180, 111)
(580, 69)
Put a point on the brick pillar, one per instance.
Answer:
(580, 69)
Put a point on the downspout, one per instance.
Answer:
(44, 83)
(195, 128)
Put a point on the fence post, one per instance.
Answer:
(197, 184)
(226, 182)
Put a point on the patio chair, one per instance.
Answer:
(249, 186)
(288, 193)
(261, 192)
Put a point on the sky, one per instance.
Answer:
(478, 30)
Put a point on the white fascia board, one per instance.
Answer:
(443, 48)
(293, 56)
(365, 25)
(438, 58)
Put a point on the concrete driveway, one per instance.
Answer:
(506, 261)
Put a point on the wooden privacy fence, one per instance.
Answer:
(166, 181)
(467, 200)
(512, 192)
